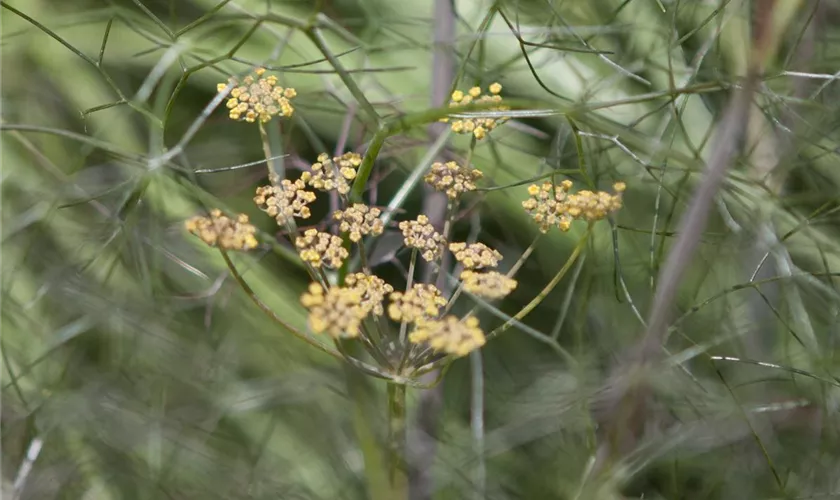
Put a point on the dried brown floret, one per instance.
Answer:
(221, 231)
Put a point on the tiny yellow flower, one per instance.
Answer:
(475, 255)
(333, 174)
(218, 230)
(359, 220)
(450, 335)
(285, 200)
(478, 127)
(338, 311)
(544, 205)
(490, 285)
(321, 249)
(372, 289)
(420, 234)
(452, 178)
(420, 303)
(257, 98)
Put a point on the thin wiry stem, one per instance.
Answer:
(477, 424)
(548, 288)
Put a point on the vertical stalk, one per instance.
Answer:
(396, 442)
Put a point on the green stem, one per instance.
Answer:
(372, 116)
(364, 402)
(396, 441)
(548, 288)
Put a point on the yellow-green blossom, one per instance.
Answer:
(490, 285)
(221, 231)
(421, 302)
(450, 335)
(338, 311)
(321, 249)
(258, 98)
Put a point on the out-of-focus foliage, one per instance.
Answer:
(135, 367)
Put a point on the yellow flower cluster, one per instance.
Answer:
(452, 178)
(321, 249)
(478, 127)
(551, 205)
(338, 312)
(475, 255)
(333, 174)
(221, 231)
(420, 234)
(359, 220)
(490, 285)
(450, 335)
(285, 201)
(419, 303)
(372, 290)
(260, 98)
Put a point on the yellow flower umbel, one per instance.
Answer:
(221, 231)
(333, 174)
(321, 249)
(285, 201)
(551, 205)
(359, 220)
(592, 206)
(545, 207)
(258, 98)
(338, 312)
(478, 127)
(452, 178)
(372, 289)
(450, 335)
(420, 234)
(475, 255)
(490, 285)
(420, 303)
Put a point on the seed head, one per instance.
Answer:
(478, 127)
(452, 178)
(321, 249)
(359, 220)
(372, 289)
(285, 201)
(420, 234)
(338, 312)
(420, 303)
(475, 255)
(490, 285)
(333, 174)
(218, 230)
(258, 98)
(450, 335)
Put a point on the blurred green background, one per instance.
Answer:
(134, 366)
